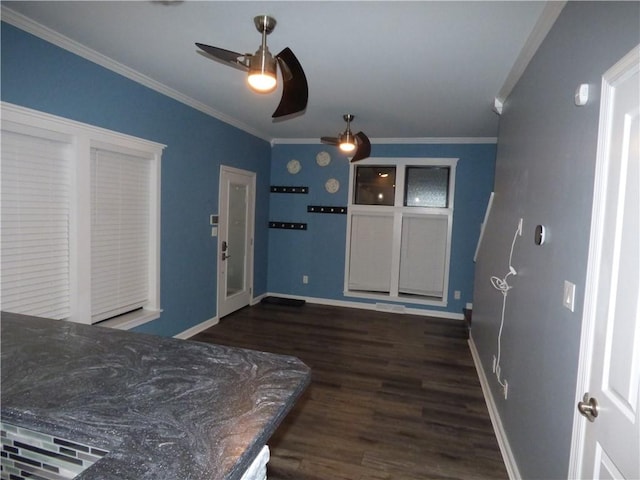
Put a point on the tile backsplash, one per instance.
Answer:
(27, 454)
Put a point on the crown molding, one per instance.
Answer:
(28, 25)
(396, 141)
(548, 17)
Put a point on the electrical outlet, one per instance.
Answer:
(505, 389)
(456, 295)
(493, 369)
(305, 279)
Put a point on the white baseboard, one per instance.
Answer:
(371, 306)
(258, 299)
(190, 332)
(501, 436)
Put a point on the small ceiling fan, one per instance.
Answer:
(348, 142)
(262, 69)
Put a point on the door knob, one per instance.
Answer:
(588, 407)
(225, 248)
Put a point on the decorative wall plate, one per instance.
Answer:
(332, 185)
(293, 166)
(323, 159)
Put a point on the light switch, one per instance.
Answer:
(569, 297)
(582, 95)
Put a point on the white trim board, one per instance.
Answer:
(190, 332)
(28, 116)
(51, 36)
(378, 307)
(30, 26)
(258, 299)
(549, 15)
(397, 141)
(540, 30)
(501, 435)
(483, 225)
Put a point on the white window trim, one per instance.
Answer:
(397, 211)
(82, 139)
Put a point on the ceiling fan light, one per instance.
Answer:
(262, 72)
(347, 147)
(347, 142)
(262, 83)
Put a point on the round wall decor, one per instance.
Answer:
(332, 185)
(323, 159)
(293, 166)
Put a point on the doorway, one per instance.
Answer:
(235, 239)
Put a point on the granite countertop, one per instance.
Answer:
(163, 408)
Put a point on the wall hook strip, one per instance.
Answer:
(287, 189)
(288, 225)
(326, 209)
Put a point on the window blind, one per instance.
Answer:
(422, 255)
(34, 237)
(120, 233)
(370, 255)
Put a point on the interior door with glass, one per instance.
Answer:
(235, 239)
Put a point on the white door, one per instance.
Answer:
(608, 445)
(235, 239)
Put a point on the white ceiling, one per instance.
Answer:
(416, 69)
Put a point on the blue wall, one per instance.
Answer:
(39, 75)
(319, 252)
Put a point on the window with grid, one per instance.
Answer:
(80, 221)
(399, 226)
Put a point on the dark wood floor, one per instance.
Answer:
(392, 396)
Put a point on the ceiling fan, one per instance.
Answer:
(348, 142)
(262, 69)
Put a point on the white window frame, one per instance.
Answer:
(398, 210)
(82, 139)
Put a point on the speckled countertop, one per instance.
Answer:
(163, 408)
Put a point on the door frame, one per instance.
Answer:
(609, 79)
(223, 229)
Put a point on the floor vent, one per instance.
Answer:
(391, 307)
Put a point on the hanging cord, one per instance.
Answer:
(503, 286)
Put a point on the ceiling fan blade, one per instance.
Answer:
(364, 147)
(226, 56)
(295, 90)
(330, 140)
